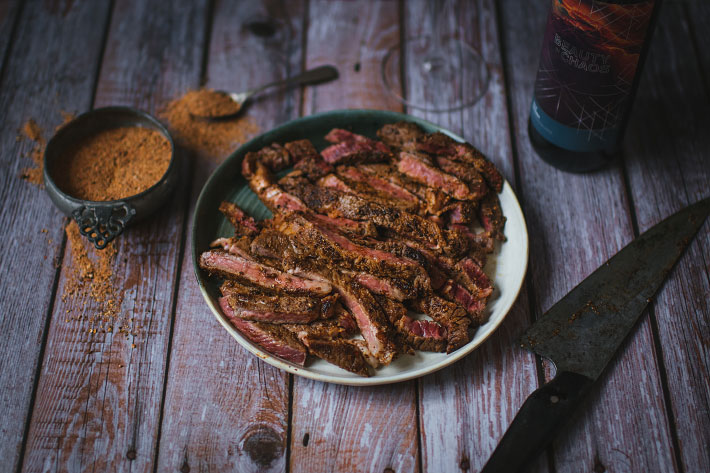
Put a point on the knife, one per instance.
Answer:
(582, 331)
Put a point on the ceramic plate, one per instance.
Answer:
(507, 266)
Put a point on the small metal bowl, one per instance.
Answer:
(102, 221)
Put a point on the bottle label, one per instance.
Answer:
(589, 58)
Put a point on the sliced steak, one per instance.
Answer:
(341, 352)
(462, 212)
(421, 171)
(439, 144)
(401, 135)
(468, 174)
(300, 150)
(491, 216)
(450, 315)
(336, 203)
(369, 317)
(273, 339)
(232, 266)
(313, 168)
(456, 293)
(434, 200)
(336, 250)
(251, 303)
(394, 288)
(338, 135)
(379, 184)
(424, 335)
(243, 224)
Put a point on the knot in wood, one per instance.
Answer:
(263, 445)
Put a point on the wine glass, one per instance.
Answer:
(441, 72)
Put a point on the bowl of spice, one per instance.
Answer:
(110, 167)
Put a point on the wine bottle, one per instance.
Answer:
(591, 59)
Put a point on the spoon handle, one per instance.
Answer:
(311, 76)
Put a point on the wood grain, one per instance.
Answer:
(666, 151)
(576, 222)
(225, 409)
(354, 36)
(9, 11)
(31, 228)
(99, 394)
(466, 408)
(344, 428)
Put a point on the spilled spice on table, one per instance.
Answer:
(113, 164)
(92, 274)
(209, 139)
(32, 131)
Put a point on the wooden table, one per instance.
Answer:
(189, 398)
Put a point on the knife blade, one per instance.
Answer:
(581, 333)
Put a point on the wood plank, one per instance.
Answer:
(666, 151)
(99, 398)
(576, 222)
(9, 11)
(225, 409)
(466, 408)
(343, 428)
(31, 229)
(353, 36)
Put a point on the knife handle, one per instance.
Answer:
(533, 428)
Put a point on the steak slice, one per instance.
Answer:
(424, 335)
(456, 293)
(366, 192)
(313, 167)
(341, 325)
(368, 315)
(335, 203)
(338, 251)
(251, 303)
(231, 266)
(418, 169)
(435, 201)
(243, 224)
(275, 245)
(273, 339)
(400, 135)
(450, 315)
(462, 212)
(491, 216)
(378, 190)
(468, 174)
(440, 144)
(341, 352)
(300, 150)
(350, 147)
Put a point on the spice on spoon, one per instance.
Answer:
(113, 164)
(208, 103)
(208, 139)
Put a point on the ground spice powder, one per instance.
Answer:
(113, 164)
(209, 139)
(92, 275)
(211, 103)
(32, 131)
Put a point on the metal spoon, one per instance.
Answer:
(312, 76)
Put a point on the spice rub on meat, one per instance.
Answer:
(366, 234)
